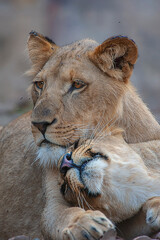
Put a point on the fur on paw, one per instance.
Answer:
(152, 209)
(89, 225)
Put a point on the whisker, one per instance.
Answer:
(88, 205)
(112, 123)
(81, 199)
(73, 187)
(97, 127)
(78, 200)
(108, 125)
(68, 142)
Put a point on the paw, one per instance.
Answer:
(152, 209)
(89, 225)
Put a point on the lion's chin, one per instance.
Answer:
(49, 154)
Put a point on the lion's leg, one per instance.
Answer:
(61, 221)
(134, 226)
(145, 222)
(152, 211)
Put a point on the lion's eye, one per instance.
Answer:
(39, 84)
(98, 155)
(95, 154)
(78, 84)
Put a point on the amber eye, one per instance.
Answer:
(78, 84)
(39, 84)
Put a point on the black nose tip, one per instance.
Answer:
(67, 163)
(42, 126)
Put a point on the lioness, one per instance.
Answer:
(105, 174)
(74, 87)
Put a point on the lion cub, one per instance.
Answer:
(108, 175)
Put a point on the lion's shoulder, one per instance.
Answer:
(149, 152)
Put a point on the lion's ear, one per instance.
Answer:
(40, 49)
(116, 56)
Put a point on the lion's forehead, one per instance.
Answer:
(68, 60)
(74, 50)
(79, 46)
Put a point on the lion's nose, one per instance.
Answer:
(42, 126)
(67, 163)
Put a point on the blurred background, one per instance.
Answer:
(66, 21)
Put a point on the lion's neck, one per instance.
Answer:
(137, 121)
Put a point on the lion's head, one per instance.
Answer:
(75, 87)
(105, 174)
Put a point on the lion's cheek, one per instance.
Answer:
(93, 176)
(37, 135)
(93, 181)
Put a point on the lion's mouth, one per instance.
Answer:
(65, 188)
(45, 141)
(86, 175)
(48, 143)
(80, 170)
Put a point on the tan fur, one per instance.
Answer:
(56, 226)
(141, 223)
(108, 95)
(21, 181)
(123, 183)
